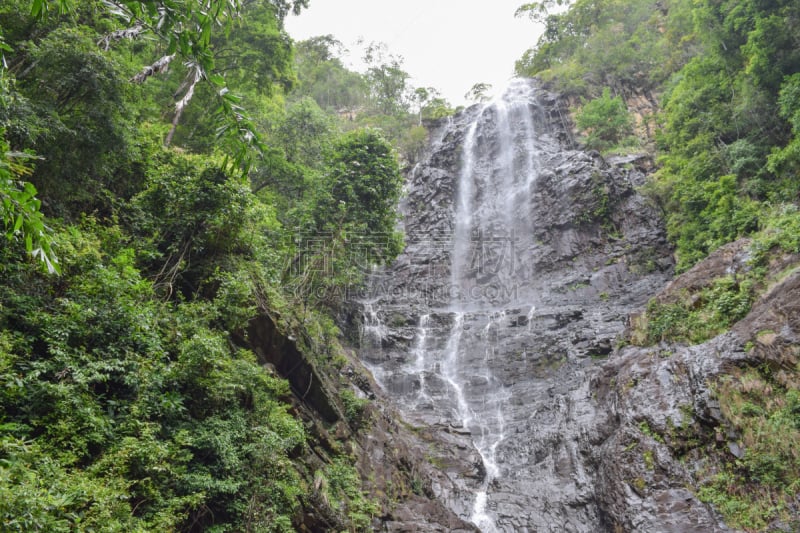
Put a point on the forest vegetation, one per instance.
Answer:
(163, 168)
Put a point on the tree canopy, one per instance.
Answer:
(163, 163)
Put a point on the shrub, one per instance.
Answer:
(605, 121)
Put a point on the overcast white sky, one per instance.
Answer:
(446, 44)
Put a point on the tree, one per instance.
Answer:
(130, 398)
(387, 80)
(539, 11)
(786, 160)
(638, 43)
(305, 133)
(479, 92)
(727, 142)
(255, 60)
(605, 120)
(19, 208)
(420, 98)
(437, 108)
(186, 31)
(323, 77)
(362, 188)
(354, 216)
(68, 103)
(430, 104)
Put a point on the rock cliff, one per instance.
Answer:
(502, 334)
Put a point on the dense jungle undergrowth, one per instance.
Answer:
(168, 172)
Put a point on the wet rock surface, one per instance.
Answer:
(495, 355)
(670, 429)
(391, 458)
(499, 335)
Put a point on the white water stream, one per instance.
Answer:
(492, 201)
(448, 369)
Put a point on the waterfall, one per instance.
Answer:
(450, 372)
(490, 213)
(372, 333)
(373, 330)
(420, 365)
(491, 431)
(446, 375)
(482, 331)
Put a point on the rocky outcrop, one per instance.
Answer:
(670, 433)
(389, 456)
(500, 334)
(281, 352)
(641, 101)
(493, 358)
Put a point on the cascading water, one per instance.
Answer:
(485, 329)
(419, 352)
(372, 328)
(492, 199)
(448, 371)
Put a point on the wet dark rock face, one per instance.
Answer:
(492, 332)
(669, 430)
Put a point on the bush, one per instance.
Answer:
(605, 121)
(345, 495)
(761, 487)
(699, 317)
(355, 408)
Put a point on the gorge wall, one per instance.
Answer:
(491, 332)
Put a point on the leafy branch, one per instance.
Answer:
(20, 208)
(186, 28)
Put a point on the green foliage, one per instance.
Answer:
(305, 133)
(187, 32)
(598, 43)
(20, 209)
(712, 213)
(343, 490)
(194, 214)
(437, 108)
(781, 231)
(539, 11)
(39, 494)
(387, 81)
(699, 317)
(414, 142)
(605, 121)
(753, 491)
(728, 73)
(254, 57)
(479, 92)
(364, 183)
(137, 414)
(362, 188)
(323, 77)
(129, 397)
(354, 218)
(727, 117)
(66, 104)
(785, 161)
(354, 407)
(382, 98)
